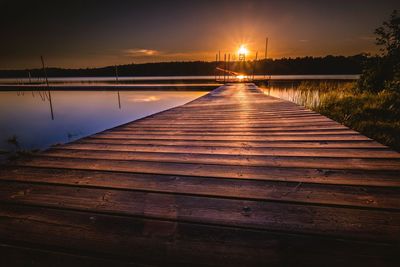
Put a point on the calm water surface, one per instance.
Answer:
(27, 115)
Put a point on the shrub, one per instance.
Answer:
(383, 72)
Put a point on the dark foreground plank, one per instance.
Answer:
(172, 243)
(341, 222)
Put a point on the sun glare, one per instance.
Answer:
(242, 50)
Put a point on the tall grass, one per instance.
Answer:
(376, 115)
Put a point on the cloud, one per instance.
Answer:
(141, 52)
(304, 41)
(142, 55)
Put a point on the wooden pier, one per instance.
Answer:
(234, 178)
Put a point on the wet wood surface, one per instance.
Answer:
(234, 178)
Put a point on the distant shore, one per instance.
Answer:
(282, 66)
(151, 82)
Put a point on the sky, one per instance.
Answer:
(81, 34)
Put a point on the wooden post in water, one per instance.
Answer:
(30, 82)
(44, 71)
(224, 67)
(216, 65)
(116, 81)
(48, 87)
(254, 65)
(219, 64)
(265, 56)
(116, 74)
(228, 69)
(266, 49)
(29, 77)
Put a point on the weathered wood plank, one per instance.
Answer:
(242, 129)
(229, 133)
(234, 121)
(349, 177)
(261, 151)
(181, 244)
(316, 138)
(369, 144)
(359, 196)
(18, 255)
(273, 216)
(235, 160)
(236, 124)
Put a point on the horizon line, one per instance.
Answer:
(365, 54)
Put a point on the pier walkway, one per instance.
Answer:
(234, 178)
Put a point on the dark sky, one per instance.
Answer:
(97, 33)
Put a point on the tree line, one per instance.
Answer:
(284, 66)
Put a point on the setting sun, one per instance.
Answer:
(243, 50)
(240, 77)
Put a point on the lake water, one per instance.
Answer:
(27, 115)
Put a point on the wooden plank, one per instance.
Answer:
(184, 115)
(234, 124)
(239, 126)
(182, 111)
(229, 133)
(348, 177)
(17, 255)
(365, 144)
(316, 138)
(197, 109)
(234, 121)
(359, 196)
(273, 216)
(243, 129)
(261, 151)
(180, 244)
(235, 160)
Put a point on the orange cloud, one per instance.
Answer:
(142, 52)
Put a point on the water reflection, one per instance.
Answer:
(26, 115)
(119, 100)
(45, 96)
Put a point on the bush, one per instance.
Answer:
(383, 72)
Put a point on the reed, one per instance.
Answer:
(376, 115)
